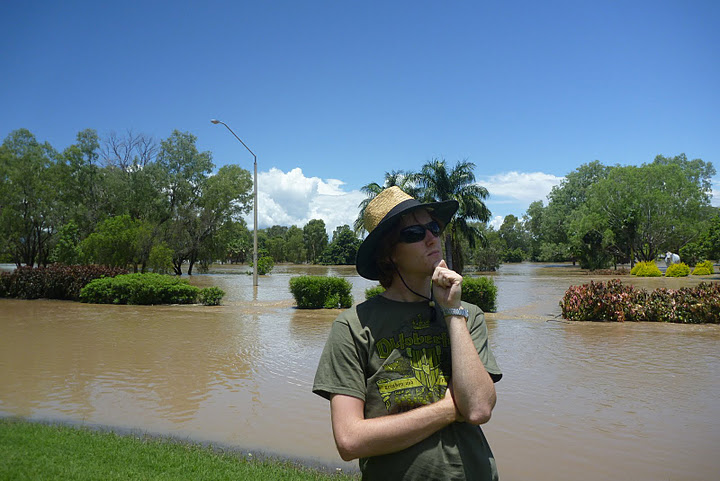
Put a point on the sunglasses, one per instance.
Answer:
(416, 233)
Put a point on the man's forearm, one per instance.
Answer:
(361, 438)
(473, 388)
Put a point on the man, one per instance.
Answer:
(409, 373)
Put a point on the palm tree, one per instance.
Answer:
(405, 180)
(438, 184)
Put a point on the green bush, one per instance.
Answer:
(56, 281)
(704, 268)
(140, 289)
(480, 291)
(646, 269)
(677, 270)
(211, 296)
(265, 265)
(614, 301)
(318, 292)
(373, 291)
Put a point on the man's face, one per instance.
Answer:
(417, 258)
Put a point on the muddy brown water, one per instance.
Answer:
(590, 401)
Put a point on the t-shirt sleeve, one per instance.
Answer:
(341, 368)
(479, 335)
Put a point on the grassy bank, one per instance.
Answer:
(31, 451)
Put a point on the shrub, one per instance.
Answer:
(143, 289)
(56, 281)
(373, 291)
(318, 292)
(600, 301)
(265, 265)
(646, 269)
(677, 270)
(480, 291)
(613, 301)
(211, 296)
(704, 268)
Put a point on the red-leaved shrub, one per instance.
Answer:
(614, 301)
(57, 281)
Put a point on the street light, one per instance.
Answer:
(255, 249)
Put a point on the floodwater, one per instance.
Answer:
(590, 401)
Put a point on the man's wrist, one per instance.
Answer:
(454, 311)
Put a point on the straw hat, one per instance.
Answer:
(380, 216)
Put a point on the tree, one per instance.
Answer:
(563, 202)
(82, 183)
(489, 256)
(533, 220)
(197, 204)
(407, 181)
(118, 241)
(294, 245)
(512, 233)
(67, 246)
(315, 239)
(648, 209)
(343, 248)
(458, 184)
(29, 201)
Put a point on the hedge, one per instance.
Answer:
(147, 289)
(480, 291)
(614, 301)
(677, 270)
(56, 281)
(321, 292)
(646, 269)
(704, 268)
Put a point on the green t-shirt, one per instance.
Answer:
(395, 356)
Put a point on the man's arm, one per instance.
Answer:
(474, 390)
(357, 437)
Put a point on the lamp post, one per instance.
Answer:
(255, 208)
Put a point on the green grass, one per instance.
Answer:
(32, 451)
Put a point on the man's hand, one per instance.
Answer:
(447, 286)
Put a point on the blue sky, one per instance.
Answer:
(331, 95)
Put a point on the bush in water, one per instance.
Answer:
(265, 265)
(211, 296)
(614, 301)
(320, 292)
(678, 270)
(56, 281)
(480, 291)
(144, 289)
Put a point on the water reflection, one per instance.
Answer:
(574, 395)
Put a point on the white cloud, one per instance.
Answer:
(520, 186)
(715, 201)
(496, 222)
(290, 198)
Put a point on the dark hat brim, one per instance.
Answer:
(366, 262)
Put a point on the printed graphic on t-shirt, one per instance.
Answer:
(422, 380)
